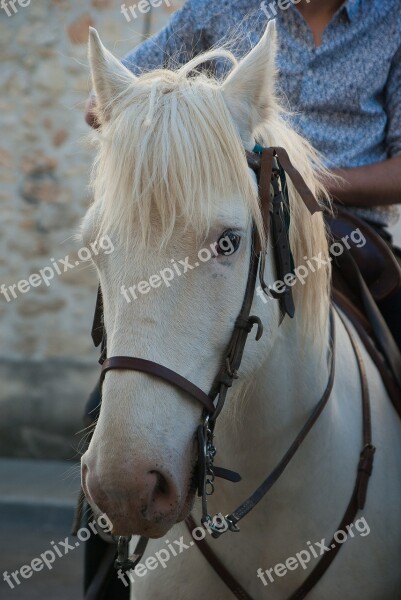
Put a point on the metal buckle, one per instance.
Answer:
(217, 530)
(207, 452)
(123, 560)
(231, 525)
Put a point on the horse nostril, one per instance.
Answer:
(138, 504)
(162, 486)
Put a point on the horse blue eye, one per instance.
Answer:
(228, 243)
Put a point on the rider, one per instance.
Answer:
(339, 69)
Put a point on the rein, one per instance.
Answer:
(249, 504)
(270, 166)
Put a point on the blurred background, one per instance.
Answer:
(48, 365)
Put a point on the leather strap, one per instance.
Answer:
(282, 250)
(124, 561)
(243, 326)
(97, 326)
(217, 565)
(376, 259)
(303, 190)
(128, 363)
(382, 334)
(253, 160)
(264, 178)
(250, 503)
(98, 585)
(357, 320)
(298, 181)
(365, 467)
(270, 174)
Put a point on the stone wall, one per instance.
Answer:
(47, 362)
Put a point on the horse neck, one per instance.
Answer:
(272, 411)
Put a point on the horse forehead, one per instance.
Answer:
(230, 210)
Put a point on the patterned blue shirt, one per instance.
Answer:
(346, 93)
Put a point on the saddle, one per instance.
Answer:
(375, 260)
(363, 276)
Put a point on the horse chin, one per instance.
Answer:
(154, 529)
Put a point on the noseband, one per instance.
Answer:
(270, 166)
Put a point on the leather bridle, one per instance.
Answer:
(270, 166)
(271, 181)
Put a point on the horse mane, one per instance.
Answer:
(171, 146)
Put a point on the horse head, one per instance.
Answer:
(173, 190)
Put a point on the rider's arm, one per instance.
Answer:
(378, 184)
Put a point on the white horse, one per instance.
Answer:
(169, 179)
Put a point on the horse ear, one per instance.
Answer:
(109, 76)
(249, 88)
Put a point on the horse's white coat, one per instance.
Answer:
(186, 327)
